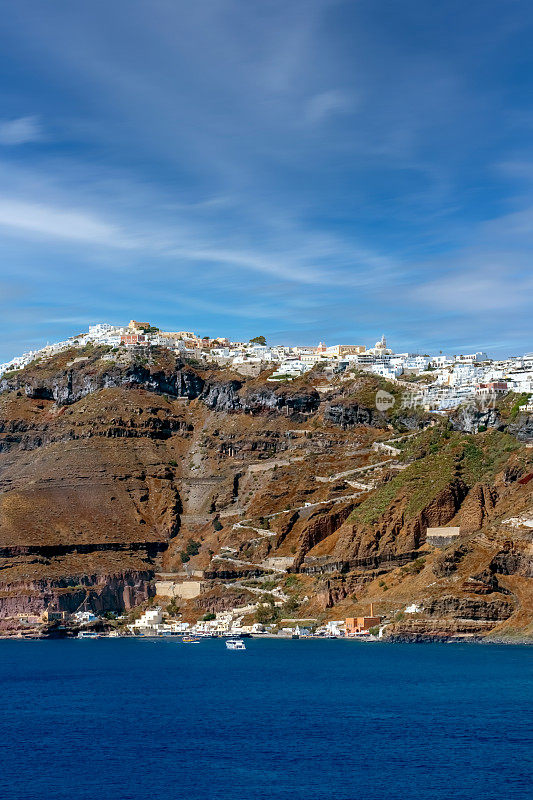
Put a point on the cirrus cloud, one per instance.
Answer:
(20, 131)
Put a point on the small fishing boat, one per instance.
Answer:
(88, 635)
(190, 640)
(235, 644)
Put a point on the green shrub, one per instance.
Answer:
(291, 605)
(172, 608)
(192, 549)
(415, 566)
(267, 613)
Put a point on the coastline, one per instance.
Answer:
(500, 640)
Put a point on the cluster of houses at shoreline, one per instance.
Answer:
(154, 621)
(229, 623)
(435, 382)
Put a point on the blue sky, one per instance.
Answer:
(300, 169)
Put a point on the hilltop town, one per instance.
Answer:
(158, 483)
(435, 383)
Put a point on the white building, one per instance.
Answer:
(100, 330)
(310, 359)
(148, 622)
(292, 368)
(84, 617)
(331, 628)
(471, 358)
(387, 371)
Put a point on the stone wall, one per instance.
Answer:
(186, 590)
(442, 536)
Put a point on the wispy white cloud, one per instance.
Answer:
(20, 131)
(59, 223)
(280, 265)
(324, 104)
(477, 292)
(67, 320)
(491, 272)
(119, 213)
(254, 309)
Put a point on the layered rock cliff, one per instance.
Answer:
(116, 467)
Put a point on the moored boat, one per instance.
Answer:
(235, 644)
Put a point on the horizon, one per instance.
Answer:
(308, 170)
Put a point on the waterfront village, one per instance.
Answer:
(436, 383)
(156, 622)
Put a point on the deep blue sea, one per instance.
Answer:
(135, 719)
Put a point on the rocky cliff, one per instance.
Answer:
(472, 419)
(118, 466)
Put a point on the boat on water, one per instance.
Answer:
(190, 640)
(88, 635)
(235, 644)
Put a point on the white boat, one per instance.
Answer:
(235, 644)
(88, 635)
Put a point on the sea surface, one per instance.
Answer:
(136, 719)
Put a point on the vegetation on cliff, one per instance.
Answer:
(435, 459)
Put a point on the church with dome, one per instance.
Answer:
(380, 348)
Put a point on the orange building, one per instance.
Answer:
(132, 338)
(355, 625)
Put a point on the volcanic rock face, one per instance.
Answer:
(471, 419)
(513, 560)
(318, 527)
(114, 468)
(469, 609)
(100, 592)
(477, 507)
(394, 534)
(453, 617)
(223, 396)
(227, 396)
(97, 461)
(72, 383)
(348, 415)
